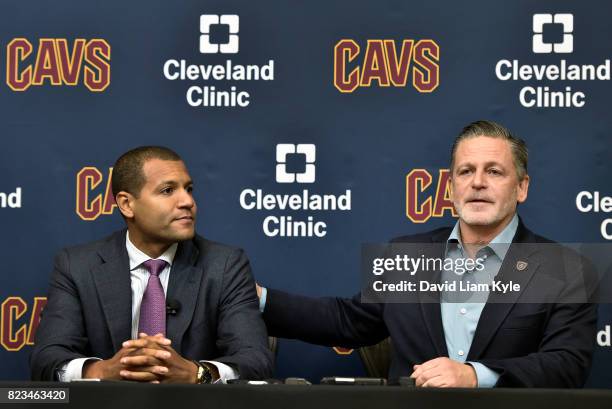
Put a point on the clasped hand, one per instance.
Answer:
(146, 359)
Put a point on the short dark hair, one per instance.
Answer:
(128, 175)
(520, 154)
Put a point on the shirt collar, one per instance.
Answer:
(137, 257)
(500, 243)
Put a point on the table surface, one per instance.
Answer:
(116, 395)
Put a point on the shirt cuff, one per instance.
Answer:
(262, 299)
(226, 372)
(73, 370)
(486, 377)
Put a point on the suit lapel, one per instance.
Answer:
(432, 315)
(430, 301)
(518, 266)
(112, 280)
(183, 287)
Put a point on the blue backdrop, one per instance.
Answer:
(85, 82)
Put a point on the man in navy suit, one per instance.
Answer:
(154, 302)
(503, 342)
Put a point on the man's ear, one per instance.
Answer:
(523, 189)
(125, 203)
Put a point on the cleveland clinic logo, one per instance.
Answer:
(604, 337)
(306, 153)
(298, 213)
(218, 36)
(11, 200)
(209, 23)
(552, 34)
(542, 22)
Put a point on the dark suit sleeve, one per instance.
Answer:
(60, 336)
(344, 322)
(241, 333)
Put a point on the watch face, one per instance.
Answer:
(208, 375)
(200, 373)
(204, 373)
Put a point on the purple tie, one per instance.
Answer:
(153, 306)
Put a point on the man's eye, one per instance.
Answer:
(495, 172)
(464, 171)
(167, 190)
(190, 189)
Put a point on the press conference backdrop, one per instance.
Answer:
(355, 99)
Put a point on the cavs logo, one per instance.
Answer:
(93, 197)
(422, 200)
(53, 61)
(387, 64)
(17, 328)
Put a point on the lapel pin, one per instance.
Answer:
(521, 265)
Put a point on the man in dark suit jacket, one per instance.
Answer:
(104, 297)
(546, 342)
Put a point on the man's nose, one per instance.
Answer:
(186, 199)
(479, 180)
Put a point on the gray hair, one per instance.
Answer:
(491, 129)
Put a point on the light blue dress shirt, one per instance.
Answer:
(460, 319)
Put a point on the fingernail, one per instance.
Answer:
(123, 360)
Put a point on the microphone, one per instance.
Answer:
(172, 307)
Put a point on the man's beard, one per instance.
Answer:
(491, 217)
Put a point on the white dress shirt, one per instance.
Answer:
(139, 277)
